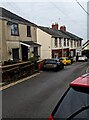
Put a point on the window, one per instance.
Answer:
(74, 43)
(80, 43)
(64, 41)
(71, 43)
(67, 42)
(77, 43)
(28, 31)
(14, 29)
(60, 42)
(69, 109)
(56, 42)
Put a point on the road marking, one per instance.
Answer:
(17, 82)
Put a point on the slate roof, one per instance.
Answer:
(7, 14)
(53, 32)
(72, 36)
(59, 33)
(50, 31)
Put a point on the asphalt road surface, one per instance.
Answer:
(37, 97)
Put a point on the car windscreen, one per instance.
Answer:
(74, 105)
(50, 61)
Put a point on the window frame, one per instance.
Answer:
(60, 42)
(68, 42)
(56, 42)
(13, 28)
(65, 42)
(28, 31)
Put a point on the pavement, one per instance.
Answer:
(5, 85)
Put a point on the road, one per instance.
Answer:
(37, 97)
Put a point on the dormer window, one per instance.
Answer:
(14, 29)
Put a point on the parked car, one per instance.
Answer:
(65, 60)
(53, 64)
(74, 104)
(82, 58)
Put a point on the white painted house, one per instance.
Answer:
(57, 43)
(85, 48)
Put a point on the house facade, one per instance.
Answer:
(85, 48)
(21, 39)
(18, 38)
(58, 43)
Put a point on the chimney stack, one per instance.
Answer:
(55, 26)
(63, 28)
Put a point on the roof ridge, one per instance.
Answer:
(8, 14)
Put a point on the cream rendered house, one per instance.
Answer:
(46, 37)
(17, 37)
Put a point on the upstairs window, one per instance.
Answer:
(74, 43)
(71, 44)
(60, 42)
(28, 31)
(14, 29)
(56, 42)
(80, 43)
(64, 41)
(67, 42)
(77, 43)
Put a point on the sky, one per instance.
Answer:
(47, 12)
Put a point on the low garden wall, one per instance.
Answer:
(21, 70)
(17, 71)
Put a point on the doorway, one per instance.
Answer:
(24, 53)
(15, 54)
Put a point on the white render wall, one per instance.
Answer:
(87, 47)
(44, 39)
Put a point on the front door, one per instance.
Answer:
(15, 54)
(24, 53)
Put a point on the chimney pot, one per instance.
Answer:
(63, 28)
(55, 26)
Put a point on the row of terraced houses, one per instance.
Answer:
(21, 39)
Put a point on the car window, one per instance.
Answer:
(50, 61)
(61, 58)
(72, 102)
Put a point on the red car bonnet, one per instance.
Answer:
(82, 81)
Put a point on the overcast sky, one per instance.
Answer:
(46, 12)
